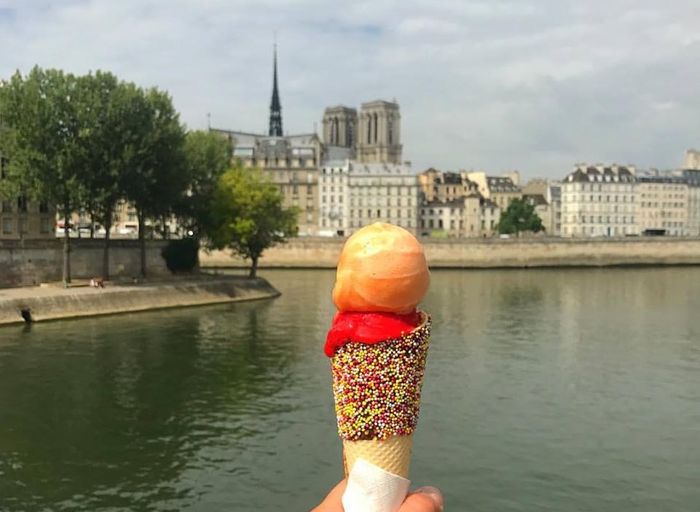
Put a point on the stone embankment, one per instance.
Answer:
(30, 262)
(52, 303)
(490, 253)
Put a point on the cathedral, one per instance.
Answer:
(363, 178)
(294, 162)
(373, 136)
(289, 161)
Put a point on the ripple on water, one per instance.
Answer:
(545, 390)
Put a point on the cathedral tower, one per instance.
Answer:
(340, 126)
(379, 135)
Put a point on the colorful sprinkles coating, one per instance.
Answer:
(377, 387)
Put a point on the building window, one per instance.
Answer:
(43, 207)
(6, 226)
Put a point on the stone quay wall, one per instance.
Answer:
(30, 262)
(52, 303)
(490, 253)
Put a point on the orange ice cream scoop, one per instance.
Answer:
(382, 268)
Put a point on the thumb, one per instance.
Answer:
(425, 499)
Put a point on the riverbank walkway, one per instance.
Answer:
(53, 301)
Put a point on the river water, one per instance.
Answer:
(561, 390)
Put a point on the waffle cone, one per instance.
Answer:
(377, 398)
(392, 455)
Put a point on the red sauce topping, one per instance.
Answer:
(368, 328)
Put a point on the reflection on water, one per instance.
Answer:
(545, 390)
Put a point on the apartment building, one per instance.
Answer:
(662, 204)
(599, 200)
(354, 194)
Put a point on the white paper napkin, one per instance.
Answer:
(371, 489)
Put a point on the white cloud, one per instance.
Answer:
(482, 84)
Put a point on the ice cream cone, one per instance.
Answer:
(393, 455)
(377, 391)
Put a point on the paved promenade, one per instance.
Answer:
(55, 302)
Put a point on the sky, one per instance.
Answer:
(489, 85)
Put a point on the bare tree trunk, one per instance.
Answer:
(66, 246)
(253, 267)
(105, 251)
(91, 213)
(166, 231)
(142, 239)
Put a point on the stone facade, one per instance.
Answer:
(599, 201)
(554, 200)
(30, 262)
(379, 134)
(692, 178)
(490, 214)
(454, 218)
(334, 198)
(372, 136)
(619, 201)
(453, 206)
(340, 127)
(692, 160)
(290, 162)
(445, 186)
(354, 194)
(662, 204)
(502, 190)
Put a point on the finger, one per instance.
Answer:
(332, 502)
(425, 499)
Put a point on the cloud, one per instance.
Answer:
(493, 85)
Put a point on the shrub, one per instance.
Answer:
(181, 255)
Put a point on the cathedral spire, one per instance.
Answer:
(275, 105)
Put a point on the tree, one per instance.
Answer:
(247, 215)
(42, 128)
(207, 157)
(105, 134)
(519, 216)
(154, 177)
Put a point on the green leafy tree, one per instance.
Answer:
(154, 176)
(107, 133)
(207, 157)
(42, 133)
(519, 216)
(247, 215)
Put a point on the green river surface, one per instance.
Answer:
(546, 390)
